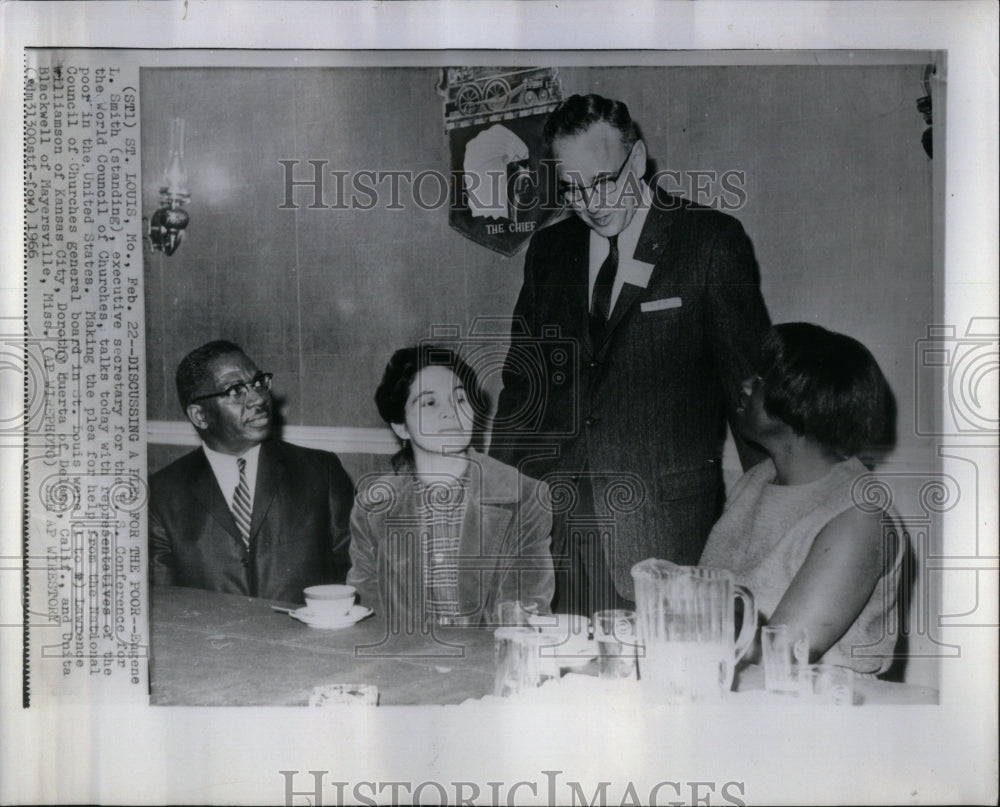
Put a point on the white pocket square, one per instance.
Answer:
(660, 305)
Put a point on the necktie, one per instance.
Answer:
(600, 309)
(241, 503)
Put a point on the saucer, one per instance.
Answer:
(314, 620)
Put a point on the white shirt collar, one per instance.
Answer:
(227, 473)
(630, 270)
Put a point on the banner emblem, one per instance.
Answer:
(501, 192)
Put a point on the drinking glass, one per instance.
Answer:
(827, 684)
(523, 660)
(614, 632)
(515, 612)
(785, 650)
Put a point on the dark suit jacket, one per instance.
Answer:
(645, 413)
(299, 533)
(503, 552)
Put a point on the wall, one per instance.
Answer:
(838, 205)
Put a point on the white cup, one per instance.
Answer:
(331, 600)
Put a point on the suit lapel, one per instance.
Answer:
(210, 495)
(575, 250)
(483, 529)
(626, 299)
(651, 248)
(656, 232)
(270, 471)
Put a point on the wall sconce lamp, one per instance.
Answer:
(924, 107)
(165, 228)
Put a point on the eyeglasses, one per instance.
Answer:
(237, 393)
(575, 194)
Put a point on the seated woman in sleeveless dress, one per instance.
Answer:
(452, 532)
(798, 530)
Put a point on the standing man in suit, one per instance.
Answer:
(662, 300)
(244, 514)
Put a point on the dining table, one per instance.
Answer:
(213, 649)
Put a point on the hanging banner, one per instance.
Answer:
(501, 189)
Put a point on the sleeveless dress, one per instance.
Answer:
(765, 534)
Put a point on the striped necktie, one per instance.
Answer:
(241, 503)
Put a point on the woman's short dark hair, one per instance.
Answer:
(579, 112)
(394, 388)
(824, 385)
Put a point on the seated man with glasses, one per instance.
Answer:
(244, 514)
(661, 298)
